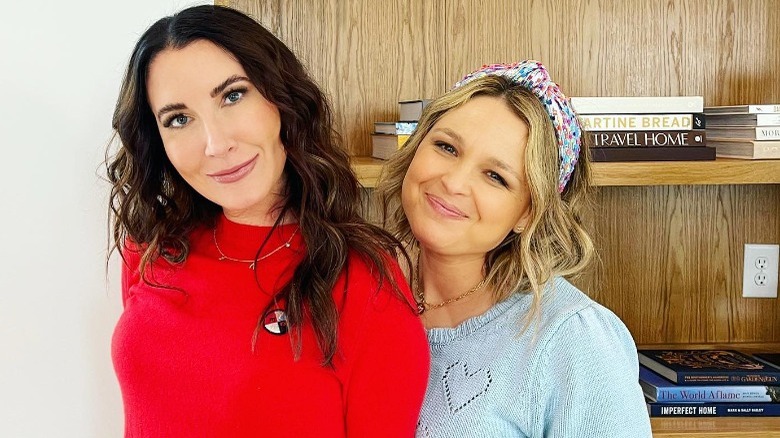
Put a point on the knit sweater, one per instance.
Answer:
(572, 374)
(184, 355)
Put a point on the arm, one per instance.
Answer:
(590, 386)
(390, 372)
(130, 261)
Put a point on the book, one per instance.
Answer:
(405, 128)
(736, 119)
(411, 110)
(383, 146)
(745, 132)
(637, 105)
(743, 109)
(746, 149)
(706, 367)
(696, 137)
(641, 122)
(659, 389)
(658, 153)
(769, 358)
(713, 409)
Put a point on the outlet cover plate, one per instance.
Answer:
(759, 271)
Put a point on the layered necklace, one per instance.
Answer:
(423, 305)
(252, 262)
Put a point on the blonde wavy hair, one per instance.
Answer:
(554, 243)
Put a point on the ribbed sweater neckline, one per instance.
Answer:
(445, 335)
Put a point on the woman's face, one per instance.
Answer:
(465, 188)
(218, 130)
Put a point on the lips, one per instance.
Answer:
(443, 208)
(235, 173)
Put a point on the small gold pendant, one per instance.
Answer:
(420, 308)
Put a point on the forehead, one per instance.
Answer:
(195, 68)
(487, 122)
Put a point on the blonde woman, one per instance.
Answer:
(487, 193)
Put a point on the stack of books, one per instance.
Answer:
(710, 383)
(744, 131)
(388, 137)
(650, 128)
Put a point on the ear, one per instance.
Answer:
(523, 222)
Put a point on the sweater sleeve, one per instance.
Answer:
(591, 379)
(390, 372)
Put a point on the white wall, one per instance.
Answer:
(60, 68)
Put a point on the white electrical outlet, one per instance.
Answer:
(759, 278)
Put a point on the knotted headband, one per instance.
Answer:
(533, 76)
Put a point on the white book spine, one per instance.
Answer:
(636, 122)
(638, 105)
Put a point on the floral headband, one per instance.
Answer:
(533, 76)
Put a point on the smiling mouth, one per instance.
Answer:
(234, 173)
(445, 209)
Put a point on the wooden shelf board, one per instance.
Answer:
(643, 173)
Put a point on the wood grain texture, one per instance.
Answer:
(366, 55)
(671, 256)
(671, 261)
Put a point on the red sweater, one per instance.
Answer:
(185, 363)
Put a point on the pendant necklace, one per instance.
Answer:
(252, 262)
(423, 305)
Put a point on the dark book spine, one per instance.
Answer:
(660, 153)
(713, 409)
(647, 138)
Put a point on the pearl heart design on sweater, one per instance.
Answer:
(462, 387)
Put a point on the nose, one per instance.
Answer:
(457, 179)
(218, 139)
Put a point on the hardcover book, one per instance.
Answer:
(707, 367)
(411, 110)
(659, 389)
(641, 122)
(713, 409)
(637, 105)
(739, 119)
(743, 109)
(659, 153)
(745, 132)
(695, 137)
(385, 145)
(770, 358)
(746, 149)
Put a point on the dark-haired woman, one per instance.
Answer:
(257, 302)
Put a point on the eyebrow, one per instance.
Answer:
(493, 161)
(214, 93)
(231, 80)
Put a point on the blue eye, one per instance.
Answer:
(234, 96)
(177, 121)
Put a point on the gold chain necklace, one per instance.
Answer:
(423, 305)
(252, 262)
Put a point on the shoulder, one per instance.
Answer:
(372, 286)
(570, 316)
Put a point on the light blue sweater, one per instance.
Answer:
(573, 374)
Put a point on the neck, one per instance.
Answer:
(443, 278)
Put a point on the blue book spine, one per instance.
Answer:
(659, 389)
(713, 409)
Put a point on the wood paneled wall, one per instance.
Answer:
(671, 256)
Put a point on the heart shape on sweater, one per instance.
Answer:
(461, 387)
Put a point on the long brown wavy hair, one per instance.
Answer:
(152, 206)
(554, 243)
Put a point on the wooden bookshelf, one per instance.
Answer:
(643, 173)
(669, 234)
